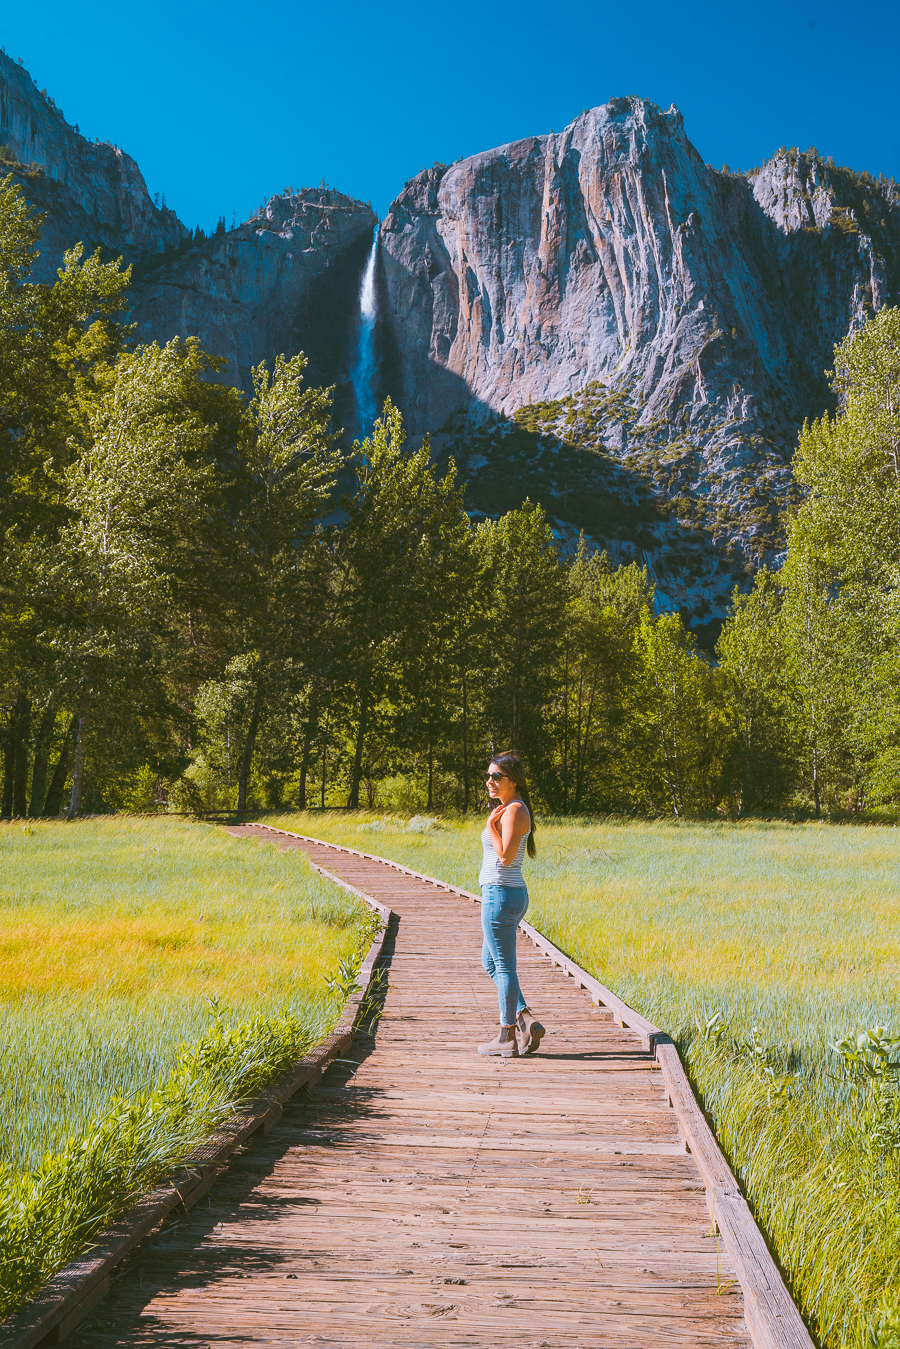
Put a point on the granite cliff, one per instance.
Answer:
(285, 280)
(612, 250)
(600, 318)
(594, 318)
(88, 191)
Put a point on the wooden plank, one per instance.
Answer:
(317, 1196)
(628, 1016)
(774, 1320)
(771, 1313)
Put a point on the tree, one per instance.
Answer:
(287, 469)
(526, 617)
(400, 560)
(53, 338)
(104, 595)
(600, 679)
(753, 658)
(683, 717)
(319, 643)
(842, 572)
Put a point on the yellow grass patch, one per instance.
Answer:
(116, 934)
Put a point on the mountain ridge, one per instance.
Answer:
(629, 305)
(595, 317)
(89, 191)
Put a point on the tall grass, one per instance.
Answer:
(758, 946)
(152, 975)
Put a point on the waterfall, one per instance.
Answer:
(364, 365)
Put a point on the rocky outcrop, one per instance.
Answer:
(89, 192)
(612, 252)
(609, 256)
(286, 281)
(595, 318)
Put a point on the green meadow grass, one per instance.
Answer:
(151, 974)
(757, 946)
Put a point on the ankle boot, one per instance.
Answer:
(529, 1032)
(505, 1044)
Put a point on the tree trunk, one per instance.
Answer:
(356, 775)
(814, 762)
(515, 711)
(9, 765)
(748, 775)
(677, 776)
(465, 712)
(54, 798)
(584, 735)
(311, 724)
(430, 777)
(41, 760)
(250, 742)
(324, 759)
(20, 762)
(566, 736)
(15, 758)
(84, 712)
(514, 702)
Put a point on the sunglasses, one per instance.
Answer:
(493, 777)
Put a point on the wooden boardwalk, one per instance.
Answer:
(431, 1197)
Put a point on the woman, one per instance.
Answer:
(504, 900)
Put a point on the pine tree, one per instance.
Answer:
(287, 469)
(753, 658)
(842, 572)
(600, 680)
(402, 522)
(682, 712)
(526, 616)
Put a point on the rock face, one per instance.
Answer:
(593, 318)
(611, 251)
(90, 192)
(610, 255)
(286, 281)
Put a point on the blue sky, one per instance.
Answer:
(224, 104)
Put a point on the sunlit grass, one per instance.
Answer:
(764, 921)
(793, 930)
(114, 936)
(152, 975)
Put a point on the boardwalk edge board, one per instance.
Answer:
(773, 1318)
(79, 1286)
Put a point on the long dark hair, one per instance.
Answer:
(513, 768)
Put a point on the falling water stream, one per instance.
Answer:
(364, 365)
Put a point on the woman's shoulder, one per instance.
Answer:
(517, 808)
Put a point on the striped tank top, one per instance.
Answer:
(493, 872)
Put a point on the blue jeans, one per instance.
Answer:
(501, 909)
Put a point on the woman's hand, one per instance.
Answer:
(507, 825)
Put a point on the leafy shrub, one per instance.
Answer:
(50, 1214)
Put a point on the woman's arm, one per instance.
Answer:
(507, 825)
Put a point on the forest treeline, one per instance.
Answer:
(204, 605)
